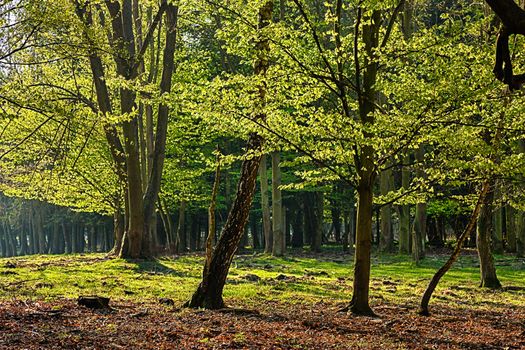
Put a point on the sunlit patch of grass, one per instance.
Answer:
(395, 279)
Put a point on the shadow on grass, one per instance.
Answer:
(157, 267)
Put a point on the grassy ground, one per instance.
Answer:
(269, 284)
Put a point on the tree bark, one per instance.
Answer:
(359, 304)
(484, 229)
(209, 292)
(423, 309)
(277, 207)
(386, 243)
(510, 220)
(419, 228)
(497, 232)
(265, 206)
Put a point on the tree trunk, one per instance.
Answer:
(484, 229)
(423, 309)
(359, 304)
(497, 233)
(520, 216)
(363, 245)
(404, 212)
(298, 225)
(510, 219)
(419, 228)
(209, 292)
(265, 206)
(180, 243)
(277, 208)
(386, 243)
(317, 221)
(159, 152)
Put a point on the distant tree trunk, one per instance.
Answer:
(317, 218)
(297, 225)
(119, 226)
(3, 246)
(23, 237)
(484, 228)
(67, 239)
(255, 231)
(386, 243)
(336, 215)
(277, 207)
(419, 227)
(510, 220)
(404, 212)
(180, 243)
(497, 232)
(194, 224)
(520, 238)
(265, 206)
(209, 292)
(56, 239)
(520, 215)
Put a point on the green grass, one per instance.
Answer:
(395, 279)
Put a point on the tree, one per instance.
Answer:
(209, 291)
(129, 48)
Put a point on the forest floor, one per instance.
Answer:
(286, 303)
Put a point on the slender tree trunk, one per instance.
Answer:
(404, 210)
(180, 243)
(520, 216)
(423, 310)
(317, 222)
(419, 227)
(386, 243)
(497, 232)
(510, 219)
(277, 208)
(265, 206)
(209, 292)
(298, 225)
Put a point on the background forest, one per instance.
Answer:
(367, 128)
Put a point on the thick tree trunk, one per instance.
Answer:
(363, 245)
(359, 304)
(277, 208)
(153, 187)
(484, 229)
(265, 206)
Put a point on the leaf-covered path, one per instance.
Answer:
(64, 325)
